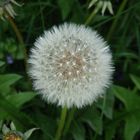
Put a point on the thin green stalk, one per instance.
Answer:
(61, 124)
(91, 16)
(68, 123)
(16, 30)
(113, 26)
(19, 37)
(41, 13)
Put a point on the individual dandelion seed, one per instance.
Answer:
(71, 65)
(6, 8)
(103, 5)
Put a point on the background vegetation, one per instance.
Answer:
(114, 117)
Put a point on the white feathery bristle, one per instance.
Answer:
(71, 65)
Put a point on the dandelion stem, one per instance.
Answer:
(116, 19)
(19, 37)
(68, 123)
(15, 28)
(61, 123)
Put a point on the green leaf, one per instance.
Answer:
(106, 104)
(28, 133)
(13, 113)
(136, 80)
(3, 114)
(130, 99)
(1, 63)
(7, 80)
(132, 125)
(78, 15)
(65, 7)
(128, 55)
(110, 132)
(78, 131)
(132, 105)
(93, 118)
(19, 99)
(46, 124)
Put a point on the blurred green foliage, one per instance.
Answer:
(114, 117)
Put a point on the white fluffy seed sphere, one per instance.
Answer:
(71, 65)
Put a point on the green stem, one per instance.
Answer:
(91, 16)
(41, 13)
(19, 37)
(16, 30)
(94, 12)
(61, 124)
(68, 123)
(116, 19)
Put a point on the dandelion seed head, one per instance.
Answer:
(63, 63)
